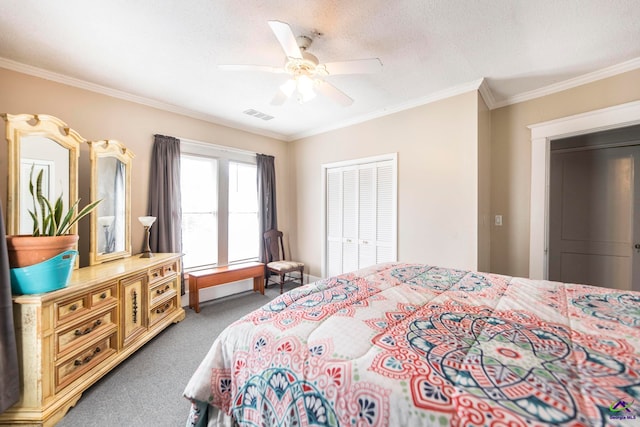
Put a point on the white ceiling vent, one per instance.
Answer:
(258, 114)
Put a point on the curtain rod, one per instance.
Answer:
(217, 147)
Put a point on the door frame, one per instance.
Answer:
(542, 134)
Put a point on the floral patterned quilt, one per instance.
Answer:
(418, 345)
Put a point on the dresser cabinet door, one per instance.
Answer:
(133, 315)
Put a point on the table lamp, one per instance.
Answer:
(147, 222)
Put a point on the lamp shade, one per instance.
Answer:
(147, 221)
(106, 221)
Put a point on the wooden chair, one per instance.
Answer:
(281, 267)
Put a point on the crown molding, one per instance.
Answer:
(114, 93)
(594, 76)
(481, 85)
(487, 95)
(437, 96)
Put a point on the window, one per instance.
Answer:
(219, 205)
(243, 212)
(199, 190)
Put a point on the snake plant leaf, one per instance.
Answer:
(50, 226)
(83, 212)
(36, 229)
(64, 225)
(57, 210)
(48, 219)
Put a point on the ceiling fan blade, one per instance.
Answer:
(361, 66)
(333, 93)
(266, 68)
(285, 37)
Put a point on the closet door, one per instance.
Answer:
(333, 200)
(386, 208)
(366, 216)
(360, 216)
(350, 220)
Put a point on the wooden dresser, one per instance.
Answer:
(68, 339)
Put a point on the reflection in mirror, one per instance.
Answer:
(111, 183)
(44, 143)
(111, 212)
(46, 155)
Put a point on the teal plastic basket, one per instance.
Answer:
(46, 276)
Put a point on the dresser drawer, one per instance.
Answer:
(161, 310)
(76, 335)
(162, 291)
(162, 272)
(105, 295)
(71, 308)
(84, 360)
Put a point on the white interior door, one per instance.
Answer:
(361, 215)
(592, 212)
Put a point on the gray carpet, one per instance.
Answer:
(146, 389)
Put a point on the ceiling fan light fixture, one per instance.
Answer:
(305, 88)
(288, 87)
(307, 74)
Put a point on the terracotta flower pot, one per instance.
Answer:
(25, 250)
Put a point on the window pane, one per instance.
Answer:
(243, 212)
(198, 182)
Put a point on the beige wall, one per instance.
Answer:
(443, 192)
(95, 116)
(511, 159)
(484, 186)
(435, 200)
(437, 180)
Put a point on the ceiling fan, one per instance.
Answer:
(306, 73)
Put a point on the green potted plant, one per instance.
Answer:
(51, 228)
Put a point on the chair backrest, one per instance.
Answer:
(273, 246)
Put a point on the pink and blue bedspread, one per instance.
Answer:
(417, 345)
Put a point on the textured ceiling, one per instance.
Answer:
(166, 52)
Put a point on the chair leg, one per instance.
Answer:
(302, 276)
(281, 282)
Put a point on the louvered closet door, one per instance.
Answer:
(361, 216)
(334, 221)
(366, 216)
(385, 213)
(350, 220)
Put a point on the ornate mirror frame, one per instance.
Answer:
(28, 125)
(109, 149)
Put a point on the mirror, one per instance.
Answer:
(44, 143)
(111, 183)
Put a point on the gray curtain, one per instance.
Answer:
(164, 196)
(267, 214)
(9, 380)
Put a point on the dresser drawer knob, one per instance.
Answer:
(163, 309)
(80, 362)
(162, 291)
(73, 307)
(103, 295)
(97, 323)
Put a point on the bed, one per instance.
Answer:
(416, 345)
